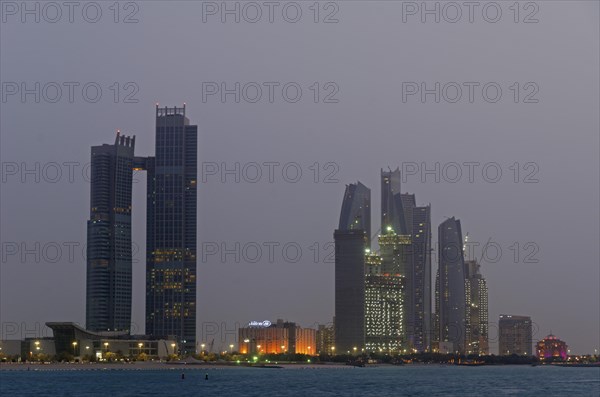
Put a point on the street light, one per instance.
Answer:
(74, 346)
(202, 346)
(231, 348)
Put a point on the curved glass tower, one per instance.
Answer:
(351, 241)
(452, 298)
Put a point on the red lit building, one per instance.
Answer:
(552, 348)
(281, 337)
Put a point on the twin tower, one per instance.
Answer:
(171, 220)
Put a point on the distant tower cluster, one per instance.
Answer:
(392, 305)
(389, 306)
(170, 234)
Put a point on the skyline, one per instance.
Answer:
(404, 195)
(369, 129)
(356, 206)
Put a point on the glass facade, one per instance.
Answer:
(420, 326)
(171, 230)
(349, 321)
(356, 209)
(452, 298)
(109, 255)
(351, 241)
(392, 212)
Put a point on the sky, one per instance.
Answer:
(491, 113)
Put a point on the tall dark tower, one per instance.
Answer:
(421, 326)
(351, 242)
(108, 278)
(452, 299)
(171, 230)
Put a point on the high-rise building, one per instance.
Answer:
(514, 335)
(385, 322)
(451, 295)
(420, 327)
(325, 339)
(356, 209)
(408, 205)
(109, 251)
(349, 323)
(400, 214)
(384, 311)
(171, 229)
(351, 243)
(476, 295)
(392, 212)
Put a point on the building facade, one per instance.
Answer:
(109, 249)
(420, 323)
(349, 322)
(325, 342)
(476, 295)
(384, 322)
(452, 310)
(171, 229)
(392, 211)
(356, 209)
(552, 349)
(76, 341)
(351, 241)
(514, 335)
(281, 337)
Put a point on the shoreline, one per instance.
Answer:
(156, 366)
(169, 366)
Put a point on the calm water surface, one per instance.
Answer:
(432, 380)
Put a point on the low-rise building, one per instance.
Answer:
(552, 348)
(281, 337)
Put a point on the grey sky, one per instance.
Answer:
(368, 54)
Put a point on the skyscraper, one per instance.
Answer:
(351, 242)
(171, 229)
(515, 335)
(392, 212)
(356, 209)
(420, 327)
(452, 299)
(108, 277)
(384, 310)
(476, 293)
